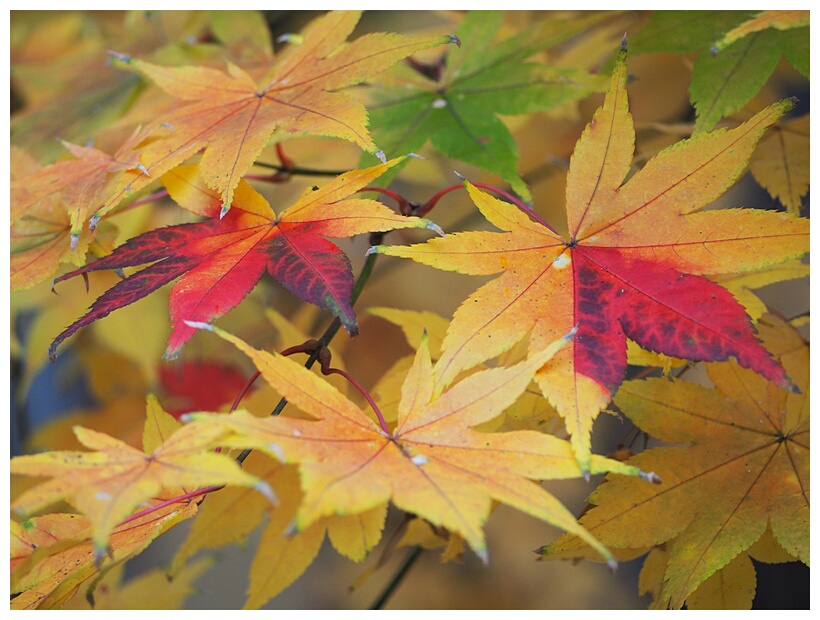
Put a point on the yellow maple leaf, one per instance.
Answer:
(781, 164)
(744, 465)
(431, 464)
(54, 557)
(111, 482)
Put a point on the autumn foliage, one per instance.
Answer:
(622, 274)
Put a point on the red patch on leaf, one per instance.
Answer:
(660, 308)
(218, 261)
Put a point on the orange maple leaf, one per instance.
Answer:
(108, 484)
(54, 555)
(76, 184)
(233, 115)
(632, 266)
(40, 223)
(431, 464)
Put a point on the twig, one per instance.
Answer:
(394, 583)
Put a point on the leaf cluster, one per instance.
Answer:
(211, 148)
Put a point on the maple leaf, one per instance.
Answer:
(781, 163)
(218, 261)
(75, 183)
(432, 464)
(53, 555)
(741, 284)
(531, 409)
(455, 103)
(39, 233)
(779, 20)
(632, 267)
(231, 115)
(731, 587)
(744, 465)
(108, 484)
(739, 51)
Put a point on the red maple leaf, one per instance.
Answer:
(218, 261)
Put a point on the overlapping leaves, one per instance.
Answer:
(455, 103)
(218, 261)
(232, 115)
(741, 465)
(431, 464)
(110, 482)
(632, 266)
(739, 51)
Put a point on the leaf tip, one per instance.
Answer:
(612, 563)
(430, 226)
(92, 223)
(623, 43)
(199, 325)
(75, 239)
(380, 154)
(119, 56)
(265, 489)
(460, 176)
(571, 334)
(586, 475)
(791, 387)
(651, 477)
(483, 555)
(277, 451)
(290, 37)
(454, 39)
(100, 553)
(224, 210)
(373, 249)
(416, 156)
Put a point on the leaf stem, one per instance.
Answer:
(330, 332)
(364, 392)
(394, 583)
(244, 391)
(405, 206)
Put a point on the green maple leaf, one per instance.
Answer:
(456, 102)
(739, 51)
